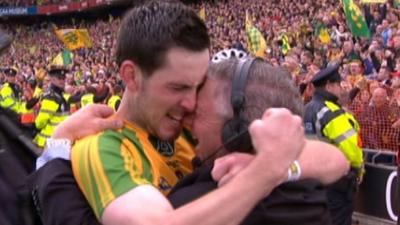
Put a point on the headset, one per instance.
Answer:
(235, 135)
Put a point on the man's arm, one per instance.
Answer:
(318, 160)
(323, 161)
(232, 202)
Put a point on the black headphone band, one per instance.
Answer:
(239, 84)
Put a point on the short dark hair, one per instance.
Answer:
(148, 31)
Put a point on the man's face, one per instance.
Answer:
(208, 121)
(334, 88)
(354, 69)
(379, 97)
(373, 86)
(396, 42)
(305, 59)
(170, 93)
(11, 79)
(58, 81)
(385, 24)
(347, 47)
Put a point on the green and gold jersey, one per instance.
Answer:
(111, 163)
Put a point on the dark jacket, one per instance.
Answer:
(301, 202)
(298, 203)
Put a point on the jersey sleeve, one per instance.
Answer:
(105, 167)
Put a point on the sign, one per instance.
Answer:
(14, 11)
(377, 196)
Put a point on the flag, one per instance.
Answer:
(63, 58)
(396, 3)
(373, 1)
(355, 20)
(285, 44)
(255, 40)
(202, 13)
(321, 31)
(74, 38)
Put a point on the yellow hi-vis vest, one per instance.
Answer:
(9, 100)
(72, 106)
(87, 99)
(37, 92)
(342, 130)
(113, 101)
(53, 110)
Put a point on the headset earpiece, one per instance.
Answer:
(235, 135)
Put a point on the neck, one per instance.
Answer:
(128, 111)
(57, 89)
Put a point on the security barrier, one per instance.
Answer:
(377, 197)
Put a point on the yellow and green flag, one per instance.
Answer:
(255, 40)
(202, 13)
(75, 38)
(63, 58)
(373, 1)
(396, 3)
(355, 19)
(285, 44)
(321, 31)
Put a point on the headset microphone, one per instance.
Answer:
(197, 162)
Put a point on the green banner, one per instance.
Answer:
(396, 3)
(355, 20)
(373, 1)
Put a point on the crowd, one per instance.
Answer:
(370, 69)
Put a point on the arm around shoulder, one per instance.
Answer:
(323, 161)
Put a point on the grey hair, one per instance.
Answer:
(267, 87)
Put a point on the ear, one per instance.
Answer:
(131, 75)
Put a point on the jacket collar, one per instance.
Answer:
(321, 94)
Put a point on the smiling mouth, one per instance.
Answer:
(177, 119)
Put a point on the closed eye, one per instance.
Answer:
(180, 87)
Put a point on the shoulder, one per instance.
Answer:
(313, 106)
(5, 87)
(106, 141)
(104, 168)
(49, 95)
(107, 149)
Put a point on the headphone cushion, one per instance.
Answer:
(233, 137)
